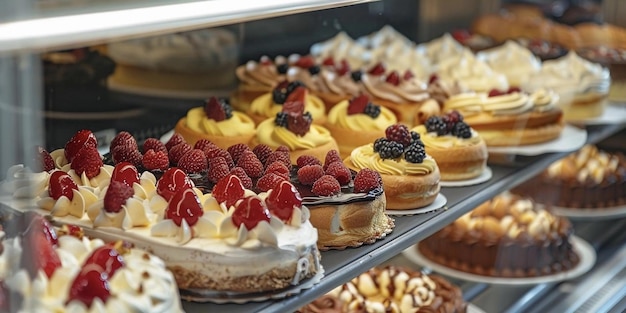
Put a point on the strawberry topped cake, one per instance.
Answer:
(270, 104)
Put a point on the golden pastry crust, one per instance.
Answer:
(523, 136)
(192, 136)
(411, 114)
(348, 139)
(585, 106)
(350, 224)
(460, 162)
(318, 152)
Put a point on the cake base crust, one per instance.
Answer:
(460, 163)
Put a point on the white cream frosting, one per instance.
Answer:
(58, 156)
(512, 60)
(99, 181)
(442, 48)
(22, 182)
(82, 199)
(342, 47)
(470, 73)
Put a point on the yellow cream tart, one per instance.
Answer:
(270, 104)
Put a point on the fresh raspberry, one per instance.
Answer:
(45, 159)
(357, 104)
(154, 144)
(218, 168)
(262, 151)
(177, 152)
(217, 152)
(246, 181)
(331, 156)
(269, 181)
(393, 78)
(329, 61)
(193, 161)
(307, 160)
(308, 174)
(399, 133)
(217, 109)
(340, 172)
(88, 161)
(204, 144)
(174, 141)
(81, 139)
(378, 69)
(367, 180)
(116, 195)
(237, 150)
(155, 160)
(343, 68)
(126, 153)
(305, 61)
(122, 138)
(408, 75)
(278, 168)
(282, 148)
(326, 186)
(454, 117)
(251, 164)
(279, 156)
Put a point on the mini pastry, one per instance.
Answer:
(293, 127)
(513, 60)
(410, 176)
(216, 122)
(460, 152)
(442, 48)
(357, 122)
(256, 79)
(341, 47)
(615, 60)
(269, 104)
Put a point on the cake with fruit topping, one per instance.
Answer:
(271, 103)
(257, 78)
(356, 122)
(216, 122)
(44, 269)
(587, 179)
(391, 289)
(507, 236)
(512, 117)
(294, 128)
(460, 152)
(410, 176)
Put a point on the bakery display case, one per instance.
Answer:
(121, 71)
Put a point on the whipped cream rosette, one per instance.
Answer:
(342, 47)
(513, 60)
(470, 73)
(442, 48)
(22, 182)
(64, 197)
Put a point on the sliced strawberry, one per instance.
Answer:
(61, 184)
(357, 104)
(408, 75)
(193, 161)
(81, 139)
(329, 61)
(154, 144)
(283, 199)
(45, 159)
(174, 140)
(127, 153)
(184, 205)
(295, 101)
(177, 152)
(250, 212)
(393, 78)
(116, 196)
(378, 69)
(38, 243)
(155, 160)
(173, 180)
(89, 285)
(126, 173)
(122, 138)
(88, 161)
(305, 61)
(228, 190)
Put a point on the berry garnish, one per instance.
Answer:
(278, 168)
(279, 94)
(378, 69)
(390, 149)
(246, 181)
(307, 160)
(372, 110)
(329, 61)
(305, 62)
(126, 153)
(107, 257)
(155, 160)
(326, 186)
(262, 151)
(435, 124)
(38, 247)
(193, 161)
(331, 157)
(343, 68)
(173, 180)
(433, 78)
(178, 151)
(408, 75)
(122, 138)
(278, 156)
(184, 205)
(282, 148)
(308, 174)
(299, 124)
(415, 137)
(125, 173)
(461, 35)
(496, 92)
(61, 184)
(314, 70)
(154, 144)
(294, 104)
(217, 152)
(250, 212)
(228, 190)
(356, 75)
(393, 78)
(250, 164)
(269, 181)
(88, 161)
(398, 133)
(291, 86)
(462, 130)
(174, 140)
(89, 285)
(379, 143)
(358, 104)
(218, 169)
(116, 195)
(415, 153)
(45, 159)
(340, 172)
(513, 89)
(237, 150)
(367, 180)
(281, 119)
(282, 200)
(203, 144)
(81, 139)
(454, 116)
(218, 109)
(282, 68)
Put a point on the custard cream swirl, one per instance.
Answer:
(365, 157)
(411, 90)
(326, 81)
(238, 124)
(507, 104)
(265, 106)
(256, 74)
(339, 116)
(445, 141)
(272, 135)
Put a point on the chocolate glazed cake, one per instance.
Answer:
(504, 237)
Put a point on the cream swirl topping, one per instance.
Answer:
(442, 48)
(445, 141)
(506, 104)
(21, 182)
(259, 74)
(272, 135)
(512, 60)
(365, 157)
(99, 181)
(342, 47)
(81, 200)
(471, 73)
(265, 106)
(412, 90)
(238, 124)
(135, 212)
(339, 116)
(326, 81)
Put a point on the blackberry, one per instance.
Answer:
(278, 96)
(281, 119)
(436, 125)
(372, 110)
(379, 143)
(308, 117)
(356, 76)
(391, 150)
(399, 133)
(415, 153)
(282, 68)
(293, 85)
(455, 116)
(314, 70)
(462, 130)
(415, 136)
(228, 110)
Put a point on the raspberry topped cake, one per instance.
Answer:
(410, 176)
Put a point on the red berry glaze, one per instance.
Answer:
(82, 139)
(495, 93)
(228, 190)
(122, 138)
(250, 212)
(172, 181)
(61, 184)
(108, 258)
(116, 195)
(282, 200)
(184, 205)
(125, 173)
